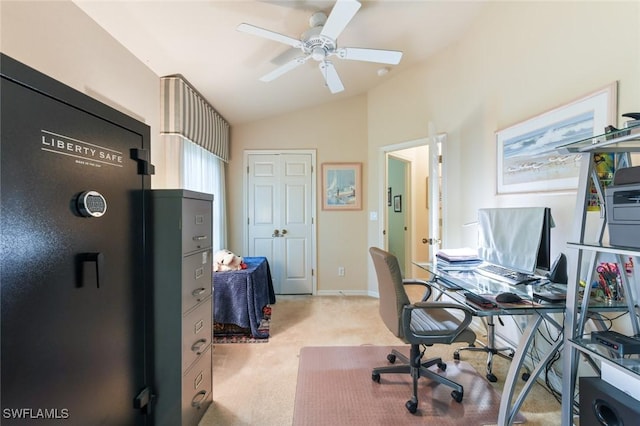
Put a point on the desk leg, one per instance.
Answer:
(507, 413)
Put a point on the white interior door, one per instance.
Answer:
(280, 217)
(436, 184)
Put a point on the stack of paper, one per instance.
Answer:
(457, 259)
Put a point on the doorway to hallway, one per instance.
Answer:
(412, 225)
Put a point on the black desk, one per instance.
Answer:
(454, 283)
(240, 296)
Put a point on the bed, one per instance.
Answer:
(240, 297)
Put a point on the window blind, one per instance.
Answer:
(186, 113)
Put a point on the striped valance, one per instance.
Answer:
(186, 113)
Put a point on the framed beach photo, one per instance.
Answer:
(527, 155)
(342, 186)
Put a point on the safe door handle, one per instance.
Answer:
(98, 259)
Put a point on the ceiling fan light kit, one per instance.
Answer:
(319, 43)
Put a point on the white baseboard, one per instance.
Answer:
(344, 293)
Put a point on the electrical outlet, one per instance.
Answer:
(341, 271)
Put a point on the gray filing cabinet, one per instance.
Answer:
(183, 310)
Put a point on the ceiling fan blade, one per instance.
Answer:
(286, 56)
(284, 68)
(331, 77)
(343, 11)
(271, 35)
(370, 55)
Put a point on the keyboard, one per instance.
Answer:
(505, 275)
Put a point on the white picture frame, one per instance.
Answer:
(527, 159)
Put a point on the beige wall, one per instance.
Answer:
(338, 133)
(518, 59)
(58, 39)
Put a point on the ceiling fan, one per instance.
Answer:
(320, 42)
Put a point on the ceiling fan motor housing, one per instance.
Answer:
(317, 45)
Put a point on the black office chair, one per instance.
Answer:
(420, 324)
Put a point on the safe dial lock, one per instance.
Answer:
(91, 204)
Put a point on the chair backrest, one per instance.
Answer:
(393, 297)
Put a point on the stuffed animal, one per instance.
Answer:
(225, 260)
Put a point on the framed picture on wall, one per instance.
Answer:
(528, 159)
(342, 186)
(397, 203)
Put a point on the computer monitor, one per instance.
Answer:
(518, 238)
(543, 262)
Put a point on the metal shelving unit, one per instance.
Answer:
(583, 258)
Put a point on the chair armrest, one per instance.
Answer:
(415, 281)
(426, 306)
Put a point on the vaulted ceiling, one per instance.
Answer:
(199, 40)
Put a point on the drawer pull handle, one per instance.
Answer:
(198, 399)
(198, 292)
(198, 345)
(199, 237)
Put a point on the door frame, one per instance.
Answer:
(314, 212)
(382, 182)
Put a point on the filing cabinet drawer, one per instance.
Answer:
(196, 389)
(196, 279)
(196, 333)
(196, 225)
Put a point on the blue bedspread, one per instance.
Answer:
(239, 296)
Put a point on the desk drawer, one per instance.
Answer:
(196, 225)
(196, 333)
(196, 390)
(196, 279)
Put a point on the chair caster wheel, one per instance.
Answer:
(456, 356)
(492, 377)
(442, 366)
(457, 396)
(375, 377)
(525, 376)
(412, 406)
(391, 358)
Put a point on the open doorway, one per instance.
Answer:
(412, 225)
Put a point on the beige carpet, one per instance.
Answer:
(255, 384)
(335, 387)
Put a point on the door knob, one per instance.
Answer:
(284, 231)
(276, 233)
(431, 241)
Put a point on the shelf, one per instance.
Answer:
(599, 352)
(625, 251)
(623, 140)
